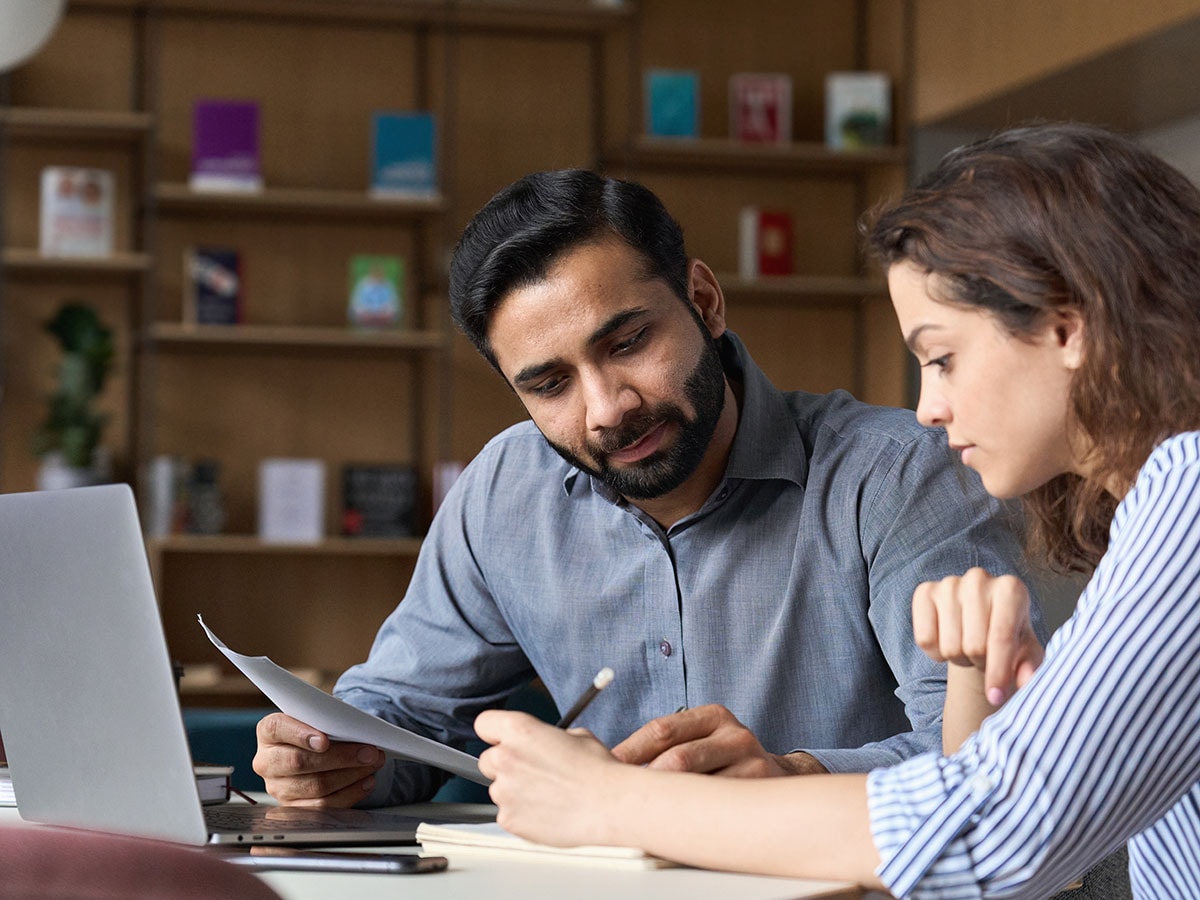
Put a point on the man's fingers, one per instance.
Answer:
(340, 787)
(659, 735)
(280, 729)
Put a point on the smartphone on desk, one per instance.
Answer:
(301, 860)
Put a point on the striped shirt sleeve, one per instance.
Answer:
(1100, 745)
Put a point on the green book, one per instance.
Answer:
(376, 291)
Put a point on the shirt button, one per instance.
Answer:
(664, 647)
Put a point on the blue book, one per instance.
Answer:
(403, 155)
(672, 103)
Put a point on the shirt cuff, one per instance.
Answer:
(857, 760)
(920, 812)
(381, 793)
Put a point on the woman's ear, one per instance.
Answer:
(1069, 336)
(707, 297)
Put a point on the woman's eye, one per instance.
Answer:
(941, 362)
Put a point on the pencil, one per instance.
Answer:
(603, 678)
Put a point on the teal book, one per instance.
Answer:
(672, 103)
(404, 155)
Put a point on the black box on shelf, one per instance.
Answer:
(379, 500)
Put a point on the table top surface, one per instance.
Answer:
(505, 879)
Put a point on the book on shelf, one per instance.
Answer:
(379, 500)
(403, 155)
(225, 151)
(76, 211)
(858, 110)
(760, 108)
(764, 242)
(7, 797)
(182, 496)
(291, 500)
(376, 291)
(213, 784)
(212, 285)
(672, 98)
(490, 839)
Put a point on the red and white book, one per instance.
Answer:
(760, 108)
(764, 243)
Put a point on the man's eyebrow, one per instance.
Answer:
(616, 323)
(531, 373)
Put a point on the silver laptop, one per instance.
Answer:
(91, 721)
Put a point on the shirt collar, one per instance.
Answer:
(767, 443)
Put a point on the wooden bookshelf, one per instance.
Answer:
(33, 123)
(172, 335)
(243, 544)
(308, 202)
(22, 260)
(736, 157)
(802, 288)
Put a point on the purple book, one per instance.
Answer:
(225, 146)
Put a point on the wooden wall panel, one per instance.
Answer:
(240, 408)
(315, 611)
(57, 77)
(316, 83)
(967, 51)
(805, 40)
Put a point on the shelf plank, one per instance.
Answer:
(239, 544)
(22, 260)
(44, 123)
(803, 287)
(298, 337)
(737, 157)
(526, 16)
(174, 197)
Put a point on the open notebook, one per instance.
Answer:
(92, 725)
(489, 839)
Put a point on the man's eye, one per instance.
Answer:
(631, 342)
(548, 388)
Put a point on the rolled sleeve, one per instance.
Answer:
(919, 812)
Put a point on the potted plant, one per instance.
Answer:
(68, 441)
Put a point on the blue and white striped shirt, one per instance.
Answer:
(1102, 746)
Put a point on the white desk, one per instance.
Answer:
(471, 878)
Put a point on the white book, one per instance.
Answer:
(489, 839)
(291, 500)
(76, 211)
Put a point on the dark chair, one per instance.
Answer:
(1107, 880)
(43, 862)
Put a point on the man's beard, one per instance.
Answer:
(666, 469)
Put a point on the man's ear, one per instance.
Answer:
(707, 297)
(1069, 336)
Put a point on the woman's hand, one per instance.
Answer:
(551, 786)
(980, 625)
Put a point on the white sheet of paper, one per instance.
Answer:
(341, 721)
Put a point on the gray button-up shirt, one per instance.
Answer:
(786, 596)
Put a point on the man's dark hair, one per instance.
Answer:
(522, 231)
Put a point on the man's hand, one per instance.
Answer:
(303, 767)
(710, 740)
